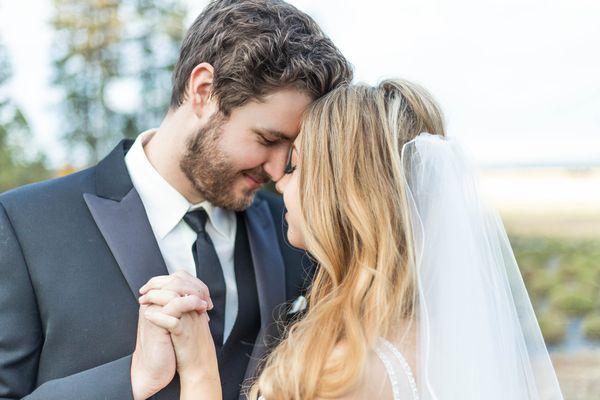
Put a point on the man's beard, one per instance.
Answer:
(210, 172)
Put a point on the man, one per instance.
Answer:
(181, 200)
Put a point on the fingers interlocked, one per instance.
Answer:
(178, 294)
(180, 282)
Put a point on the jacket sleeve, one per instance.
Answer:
(21, 339)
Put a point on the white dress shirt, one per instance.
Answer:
(166, 207)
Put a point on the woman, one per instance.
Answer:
(416, 295)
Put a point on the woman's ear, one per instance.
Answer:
(200, 88)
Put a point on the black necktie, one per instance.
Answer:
(209, 271)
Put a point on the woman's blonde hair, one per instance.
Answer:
(355, 226)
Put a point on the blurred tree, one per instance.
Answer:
(19, 162)
(113, 61)
(85, 59)
(156, 38)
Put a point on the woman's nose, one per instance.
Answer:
(280, 185)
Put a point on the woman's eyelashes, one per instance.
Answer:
(289, 167)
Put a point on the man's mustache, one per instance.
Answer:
(258, 174)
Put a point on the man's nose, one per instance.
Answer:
(275, 165)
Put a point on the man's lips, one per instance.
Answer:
(255, 180)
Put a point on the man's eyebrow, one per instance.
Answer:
(273, 132)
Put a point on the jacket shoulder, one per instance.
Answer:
(42, 193)
(274, 200)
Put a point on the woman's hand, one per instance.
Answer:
(184, 316)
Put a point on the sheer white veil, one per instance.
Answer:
(478, 337)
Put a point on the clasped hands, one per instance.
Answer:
(173, 336)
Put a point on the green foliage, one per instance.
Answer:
(85, 58)
(541, 282)
(101, 43)
(591, 326)
(563, 279)
(19, 162)
(575, 300)
(155, 38)
(97, 44)
(553, 326)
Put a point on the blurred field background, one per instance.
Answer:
(77, 76)
(553, 219)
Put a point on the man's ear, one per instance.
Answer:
(200, 88)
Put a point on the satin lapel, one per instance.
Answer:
(270, 276)
(127, 232)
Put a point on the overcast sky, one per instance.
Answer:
(519, 81)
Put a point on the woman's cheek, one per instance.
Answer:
(296, 237)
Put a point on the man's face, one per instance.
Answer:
(229, 159)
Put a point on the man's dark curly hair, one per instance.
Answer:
(256, 47)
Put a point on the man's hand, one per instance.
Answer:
(180, 282)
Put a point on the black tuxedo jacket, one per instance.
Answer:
(73, 253)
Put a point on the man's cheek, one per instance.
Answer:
(250, 161)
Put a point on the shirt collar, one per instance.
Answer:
(222, 220)
(164, 205)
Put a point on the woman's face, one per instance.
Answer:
(289, 187)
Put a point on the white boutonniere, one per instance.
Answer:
(298, 305)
